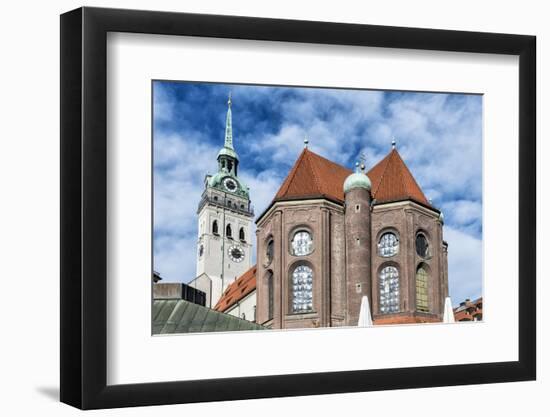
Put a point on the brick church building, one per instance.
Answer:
(329, 237)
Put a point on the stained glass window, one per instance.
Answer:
(422, 290)
(302, 244)
(302, 289)
(388, 245)
(388, 285)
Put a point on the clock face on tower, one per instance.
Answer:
(236, 254)
(230, 184)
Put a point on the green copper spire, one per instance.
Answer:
(228, 149)
(229, 126)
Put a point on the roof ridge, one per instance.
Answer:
(312, 169)
(385, 168)
(409, 193)
(286, 184)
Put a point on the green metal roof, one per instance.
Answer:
(225, 151)
(181, 316)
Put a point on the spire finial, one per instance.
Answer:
(393, 143)
(229, 126)
(357, 169)
(362, 159)
(306, 141)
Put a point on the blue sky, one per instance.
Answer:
(438, 135)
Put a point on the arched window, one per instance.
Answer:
(269, 252)
(388, 245)
(388, 286)
(228, 232)
(302, 243)
(422, 246)
(422, 289)
(302, 289)
(270, 295)
(241, 234)
(215, 227)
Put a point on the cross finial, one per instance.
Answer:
(306, 141)
(362, 159)
(393, 143)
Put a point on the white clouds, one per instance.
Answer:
(439, 136)
(464, 213)
(164, 103)
(181, 163)
(465, 265)
(331, 119)
(175, 258)
(263, 187)
(283, 147)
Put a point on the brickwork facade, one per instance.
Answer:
(347, 257)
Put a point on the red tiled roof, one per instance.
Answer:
(313, 176)
(468, 310)
(392, 181)
(237, 290)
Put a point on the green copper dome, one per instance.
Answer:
(216, 181)
(357, 180)
(225, 151)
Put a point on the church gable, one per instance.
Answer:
(392, 181)
(313, 176)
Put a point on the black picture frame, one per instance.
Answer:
(84, 207)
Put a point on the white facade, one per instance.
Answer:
(245, 308)
(216, 251)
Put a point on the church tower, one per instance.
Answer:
(357, 226)
(224, 224)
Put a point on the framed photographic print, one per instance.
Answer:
(256, 208)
